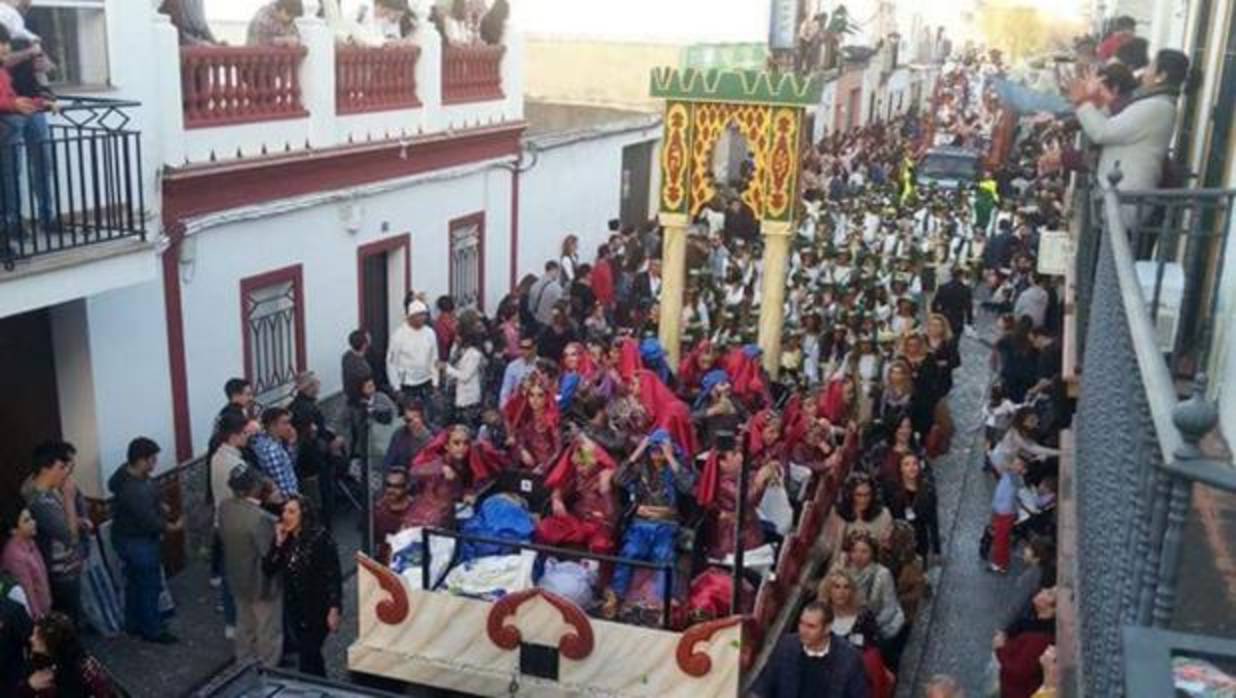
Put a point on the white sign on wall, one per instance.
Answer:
(1055, 251)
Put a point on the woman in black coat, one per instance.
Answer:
(912, 498)
(305, 554)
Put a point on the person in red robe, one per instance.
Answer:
(532, 425)
(693, 367)
(667, 411)
(602, 279)
(764, 440)
(717, 492)
(450, 469)
(747, 376)
(583, 503)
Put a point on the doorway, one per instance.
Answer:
(30, 409)
(636, 181)
(383, 279)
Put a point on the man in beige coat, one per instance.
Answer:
(247, 532)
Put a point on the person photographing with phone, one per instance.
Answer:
(306, 556)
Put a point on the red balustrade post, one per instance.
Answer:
(240, 84)
(471, 73)
(375, 78)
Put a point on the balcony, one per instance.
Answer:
(371, 79)
(224, 85)
(80, 187)
(471, 74)
(234, 102)
(1147, 469)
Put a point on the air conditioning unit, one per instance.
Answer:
(1171, 296)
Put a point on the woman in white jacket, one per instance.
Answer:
(467, 372)
(1137, 139)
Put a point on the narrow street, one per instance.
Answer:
(953, 632)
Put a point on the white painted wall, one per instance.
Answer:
(75, 389)
(312, 232)
(60, 284)
(826, 111)
(897, 95)
(132, 384)
(576, 189)
(112, 378)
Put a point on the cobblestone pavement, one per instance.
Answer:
(147, 670)
(967, 600)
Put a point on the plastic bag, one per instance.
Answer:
(492, 577)
(570, 580)
(407, 554)
(775, 508)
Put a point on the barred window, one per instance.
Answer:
(467, 263)
(274, 336)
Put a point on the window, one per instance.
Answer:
(74, 34)
(273, 322)
(467, 261)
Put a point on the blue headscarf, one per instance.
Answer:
(653, 354)
(656, 440)
(710, 381)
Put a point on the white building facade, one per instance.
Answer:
(277, 210)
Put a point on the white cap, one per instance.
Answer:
(418, 308)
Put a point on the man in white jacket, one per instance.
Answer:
(412, 359)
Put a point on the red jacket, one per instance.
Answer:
(1020, 672)
(1107, 49)
(8, 97)
(602, 280)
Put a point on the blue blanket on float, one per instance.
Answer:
(503, 517)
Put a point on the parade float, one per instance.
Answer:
(532, 641)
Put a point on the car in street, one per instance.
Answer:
(948, 167)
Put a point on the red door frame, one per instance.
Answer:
(295, 274)
(390, 244)
(477, 219)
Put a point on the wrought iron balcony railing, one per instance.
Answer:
(1138, 448)
(70, 179)
(1177, 238)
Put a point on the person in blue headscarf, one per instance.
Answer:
(653, 356)
(656, 477)
(715, 411)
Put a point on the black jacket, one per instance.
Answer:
(926, 520)
(15, 629)
(782, 676)
(135, 507)
(356, 370)
(955, 302)
(642, 290)
(312, 579)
